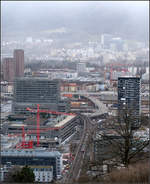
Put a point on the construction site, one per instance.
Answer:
(43, 128)
(48, 129)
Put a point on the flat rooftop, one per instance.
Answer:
(36, 78)
(47, 123)
(17, 125)
(64, 121)
(132, 77)
(30, 153)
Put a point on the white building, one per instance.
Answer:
(147, 70)
(81, 67)
(43, 174)
(41, 160)
(29, 40)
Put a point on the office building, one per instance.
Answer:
(81, 67)
(106, 40)
(8, 69)
(129, 97)
(19, 62)
(30, 91)
(35, 159)
(118, 43)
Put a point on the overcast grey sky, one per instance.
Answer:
(124, 17)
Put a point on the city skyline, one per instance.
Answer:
(74, 92)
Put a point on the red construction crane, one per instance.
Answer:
(110, 69)
(24, 144)
(34, 131)
(38, 118)
(28, 145)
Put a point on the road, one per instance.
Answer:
(90, 93)
(105, 95)
(101, 107)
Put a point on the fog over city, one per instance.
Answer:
(78, 20)
(74, 92)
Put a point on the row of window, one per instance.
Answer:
(42, 169)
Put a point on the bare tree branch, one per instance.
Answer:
(119, 136)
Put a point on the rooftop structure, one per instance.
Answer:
(40, 152)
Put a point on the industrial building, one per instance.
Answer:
(30, 91)
(129, 97)
(34, 158)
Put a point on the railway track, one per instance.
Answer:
(75, 169)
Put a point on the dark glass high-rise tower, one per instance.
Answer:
(129, 97)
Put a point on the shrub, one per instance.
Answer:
(83, 179)
(137, 173)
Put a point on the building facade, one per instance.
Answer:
(81, 67)
(106, 39)
(19, 62)
(34, 158)
(129, 97)
(8, 69)
(53, 132)
(30, 91)
(43, 174)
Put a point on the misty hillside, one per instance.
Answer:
(125, 19)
